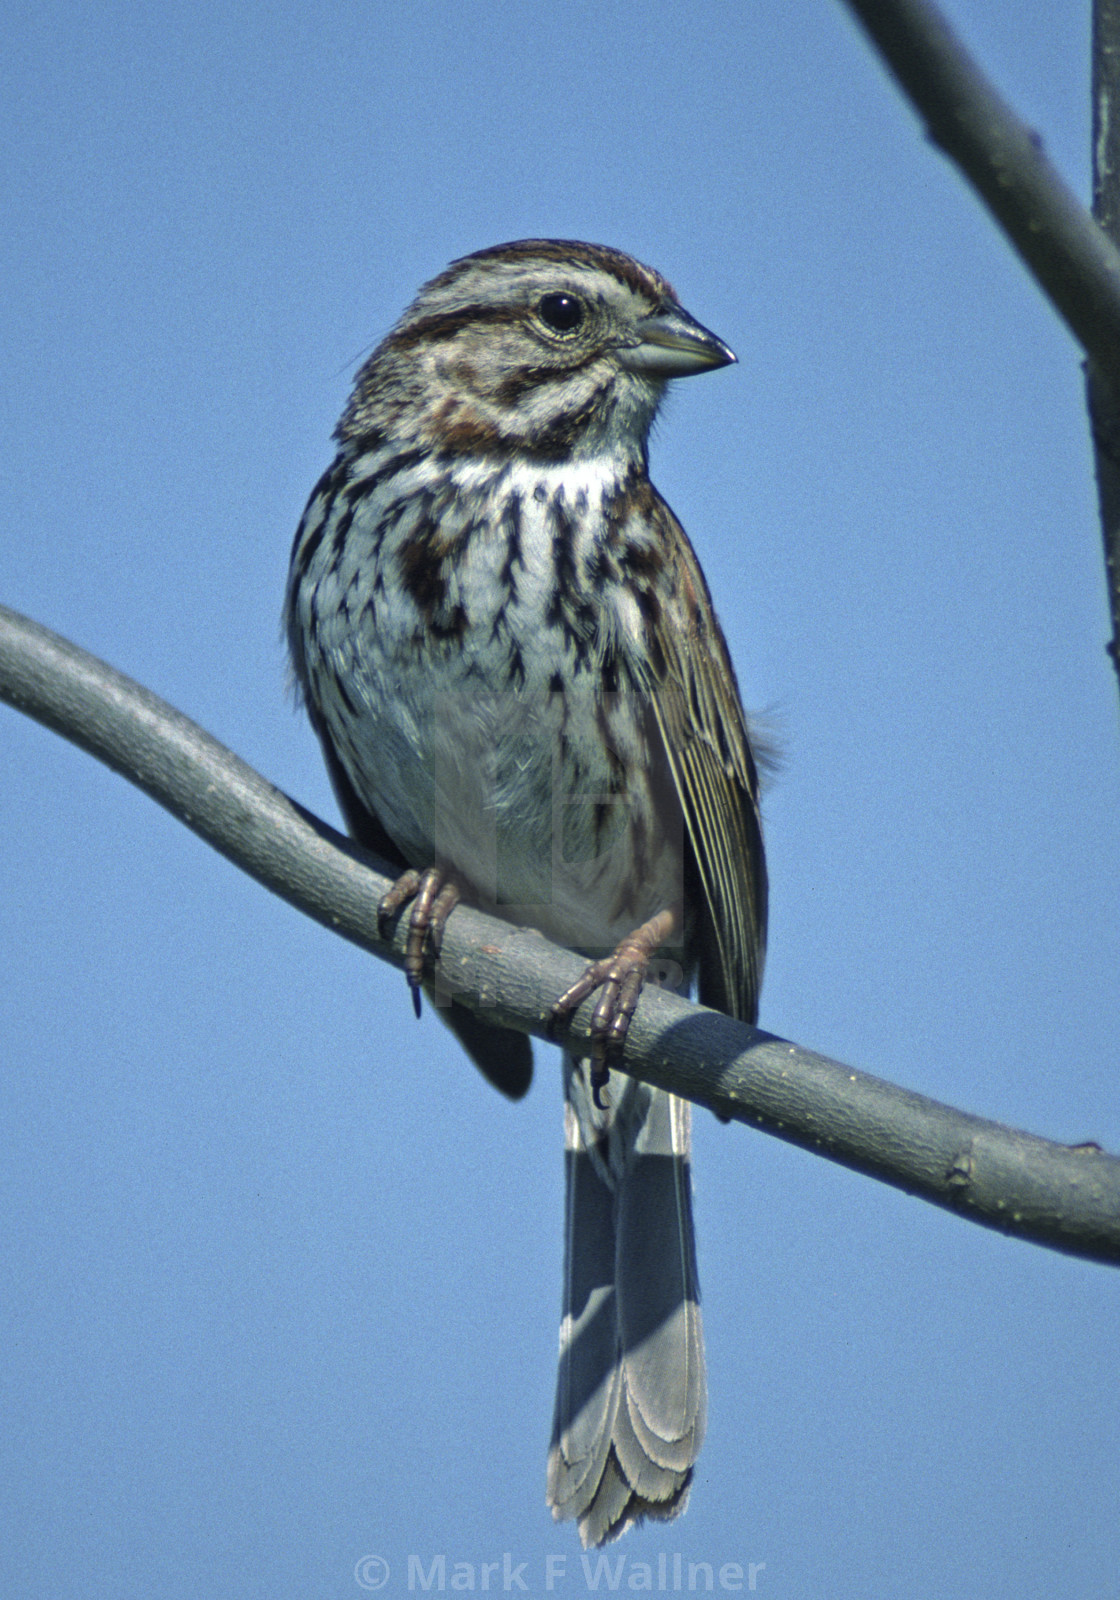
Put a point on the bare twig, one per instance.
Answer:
(1104, 398)
(1066, 1198)
(1072, 258)
(1003, 160)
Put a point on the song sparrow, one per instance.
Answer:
(509, 653)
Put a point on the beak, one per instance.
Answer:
(672, 344)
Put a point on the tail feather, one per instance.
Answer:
(631, 1392)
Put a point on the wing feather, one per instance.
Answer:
(707, 744)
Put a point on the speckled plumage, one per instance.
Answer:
(508, 650)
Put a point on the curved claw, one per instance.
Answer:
(620, 976)
(600, 1077)
(434, 897)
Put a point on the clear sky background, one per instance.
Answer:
(281, 1273)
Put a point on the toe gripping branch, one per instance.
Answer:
(620, 976)
(434, 897)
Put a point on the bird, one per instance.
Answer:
(507, 648)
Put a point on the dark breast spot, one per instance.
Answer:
(422, 574)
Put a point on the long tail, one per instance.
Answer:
(631, 1394)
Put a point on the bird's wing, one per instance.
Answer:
(700, 717)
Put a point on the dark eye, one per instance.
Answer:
(563, 312)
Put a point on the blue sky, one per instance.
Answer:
(282, 1274)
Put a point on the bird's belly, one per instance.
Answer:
(476, 715)
(549, 807)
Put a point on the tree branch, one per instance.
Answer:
(1104, 398)
(1070, 254)
(1065, 1198)
(1003, 160)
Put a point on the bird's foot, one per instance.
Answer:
(620, 976)
(434, 897)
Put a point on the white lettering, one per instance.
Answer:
(437, 1573)
(602, 1570)
(512, 1575)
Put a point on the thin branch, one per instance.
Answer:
(1065, 1198)
(1003, 160)
(1104, 398)
(1070, 254)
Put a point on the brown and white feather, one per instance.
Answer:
(510, 655)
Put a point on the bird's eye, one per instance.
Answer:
(562, 312)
